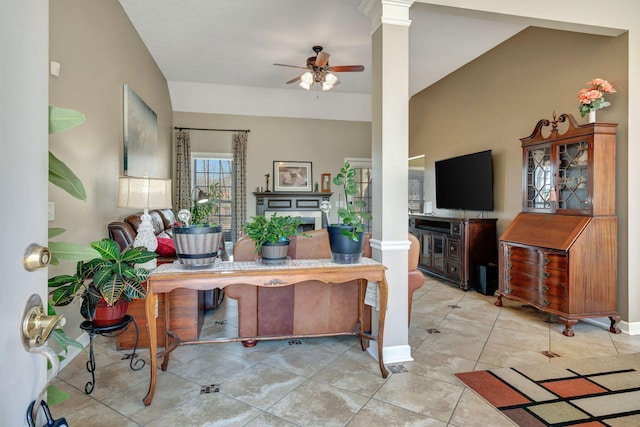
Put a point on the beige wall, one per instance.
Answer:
(493, 101)
(99, 51)
(325, 143)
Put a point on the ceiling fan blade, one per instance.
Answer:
(292, 66)
(322, 59)
(297, 79)
(346, 68)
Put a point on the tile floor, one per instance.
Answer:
(330, 381)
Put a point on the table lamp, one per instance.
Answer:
(144, 193)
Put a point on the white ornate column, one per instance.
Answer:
(390, 152)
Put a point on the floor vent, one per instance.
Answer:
(295, 342)
(454, 306)
(210, 388)
(550, 354)
(128, 356)
(433, 331)
(220, 322)
(396, 369)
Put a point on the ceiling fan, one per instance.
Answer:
(318, 70)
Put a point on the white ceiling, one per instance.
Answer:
(225, 47)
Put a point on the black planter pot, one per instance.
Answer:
(343, 249)
(274, 253)
(197, 245)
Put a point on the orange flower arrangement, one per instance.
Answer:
(592, 98)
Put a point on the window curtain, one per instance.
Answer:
(183, 171)
(239, 184)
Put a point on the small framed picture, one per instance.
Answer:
(326, 183)
(292, 176)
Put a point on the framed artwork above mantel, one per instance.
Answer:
(292, 176)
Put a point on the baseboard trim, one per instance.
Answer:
(629, 328)
(392, 355)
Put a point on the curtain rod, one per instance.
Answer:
(215, 130)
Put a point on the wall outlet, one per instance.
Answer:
(51, 210)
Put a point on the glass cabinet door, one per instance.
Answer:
(438, 251)
(538, 179)
(426, 244)
(573, 177)
(432, 254)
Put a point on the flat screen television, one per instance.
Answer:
(465, 182)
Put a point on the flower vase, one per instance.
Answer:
(592, 116)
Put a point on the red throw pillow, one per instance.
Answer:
(166, 247)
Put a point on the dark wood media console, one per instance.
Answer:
(453, 249)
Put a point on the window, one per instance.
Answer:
(209, 168)
(363, 181)
(416, 189)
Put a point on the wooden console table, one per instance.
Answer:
(168, 277)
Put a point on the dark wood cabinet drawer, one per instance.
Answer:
(523, 268)
(537, 256)
(516, 253)
(524, 287)
(553, 290)
(521, 289)
(554, 260)
(453, 269)
(529, 294)
(538, 271)
(456, 228)
(453, 249)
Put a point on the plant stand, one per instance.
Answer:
(109, 331)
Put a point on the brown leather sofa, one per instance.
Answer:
(307, 307)
(187, 305)
(124, 232)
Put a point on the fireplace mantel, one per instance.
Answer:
(290, 201)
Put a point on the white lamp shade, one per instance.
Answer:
(304, 85)
(307, 78)
(146, 193)
(331, 79)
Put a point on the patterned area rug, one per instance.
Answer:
(585, 393)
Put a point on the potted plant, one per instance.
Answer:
(106, 285)
(198, 239)
(346, 238)
(271, 236)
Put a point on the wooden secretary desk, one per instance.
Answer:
(559, 255)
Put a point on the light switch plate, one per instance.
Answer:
(51, 210)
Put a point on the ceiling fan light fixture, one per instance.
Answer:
(317, 70)
(307, 78)
(331, 79)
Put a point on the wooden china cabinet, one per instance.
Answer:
(559, 255)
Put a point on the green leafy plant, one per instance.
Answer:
(111, 277)
(354, 213)
(60, 175)
(276, 229)
(205, 204)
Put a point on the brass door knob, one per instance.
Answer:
(36, 257)
(36, 325)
